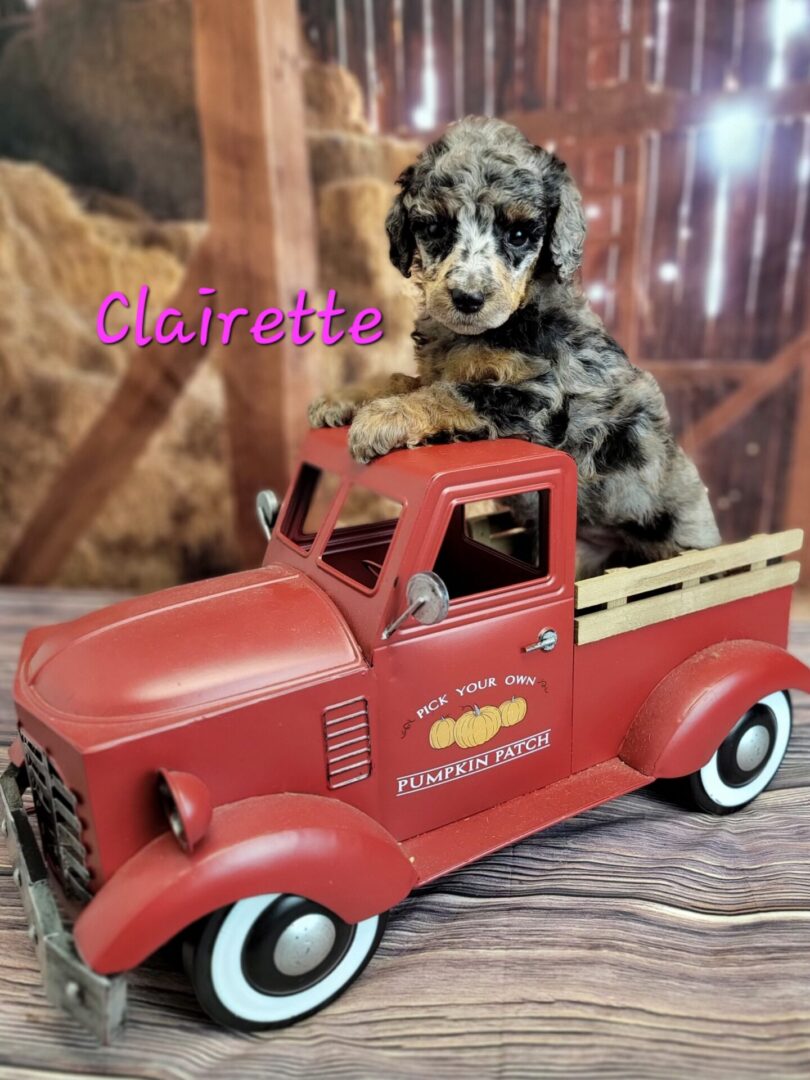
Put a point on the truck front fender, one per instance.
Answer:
(308, 845)
(692, 709)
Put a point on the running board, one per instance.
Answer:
(461, 842)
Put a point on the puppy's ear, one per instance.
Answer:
(402, 244)
(567, 225)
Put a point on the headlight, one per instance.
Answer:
(187, 805)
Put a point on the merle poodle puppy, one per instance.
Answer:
(491, 229)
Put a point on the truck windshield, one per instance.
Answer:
(363, 530)
(311, 501)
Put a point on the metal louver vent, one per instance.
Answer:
(348, 742)
(59, 824)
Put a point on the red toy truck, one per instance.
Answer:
(265, 763)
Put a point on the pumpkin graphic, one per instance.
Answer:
(513, 711)
(477, 726)
(442, 734)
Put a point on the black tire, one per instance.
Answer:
(269, 961)
(747, 759)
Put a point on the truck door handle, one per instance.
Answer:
(546, 640)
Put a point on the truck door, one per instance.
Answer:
(473, 710)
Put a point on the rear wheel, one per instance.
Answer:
(747, 759)
(271, 960)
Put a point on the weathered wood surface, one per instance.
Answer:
(634, 941)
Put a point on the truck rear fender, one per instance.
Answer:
(692, 709)
(308, 845)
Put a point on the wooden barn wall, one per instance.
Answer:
(698, 248)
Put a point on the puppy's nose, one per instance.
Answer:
(467, 302)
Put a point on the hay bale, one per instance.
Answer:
(354, 260)
(333, 99)
(340, 155)
(103, 95)
(352, 238)
(171, 520)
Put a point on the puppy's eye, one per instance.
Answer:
(435, 229)
(518, 236)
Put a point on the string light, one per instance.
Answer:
(788, 17)
(735, 136)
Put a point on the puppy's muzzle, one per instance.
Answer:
(468, 303)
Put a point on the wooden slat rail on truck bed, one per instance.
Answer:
(632, 597)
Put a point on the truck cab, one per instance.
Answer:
(496, 524)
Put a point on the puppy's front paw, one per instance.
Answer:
(378, 428)
(331, 411)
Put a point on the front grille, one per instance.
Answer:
(59, 824)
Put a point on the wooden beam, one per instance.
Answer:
(623, 112)
(631, 283)
(700, 370)
(629, 286)
(768, 377)
(261, 215)
(797, 502)
(142, 401)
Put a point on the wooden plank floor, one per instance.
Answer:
(634, 941)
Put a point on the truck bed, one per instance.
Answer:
(634, 626)
(633, 597)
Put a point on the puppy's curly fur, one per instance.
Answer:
(491, 229)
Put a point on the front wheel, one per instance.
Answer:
(747, 759)
(269, 961)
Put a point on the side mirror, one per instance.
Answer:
(428, 602)
(267, 506)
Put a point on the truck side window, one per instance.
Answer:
(362, 535)
(495, 543)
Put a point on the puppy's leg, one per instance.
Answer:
(336, 410)
(695, 523)
(680, 518)
(432, 413)
(594, 550)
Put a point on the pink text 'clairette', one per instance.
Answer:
(117, 318)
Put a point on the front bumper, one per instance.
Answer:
(96, 1001)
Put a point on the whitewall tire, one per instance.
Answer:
(271, 960)
(747, 759)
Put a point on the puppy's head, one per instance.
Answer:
(481, 213)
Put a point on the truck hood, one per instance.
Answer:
(187, 649)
